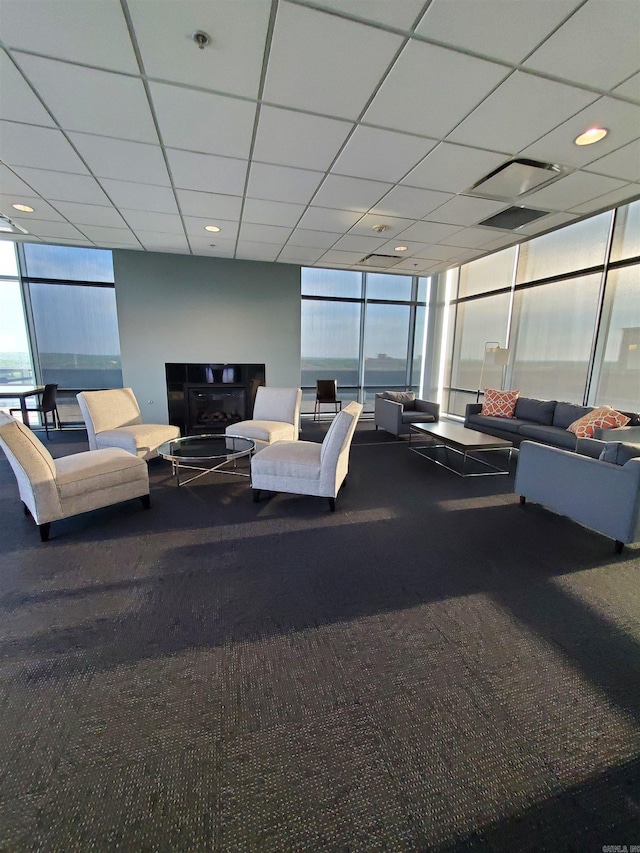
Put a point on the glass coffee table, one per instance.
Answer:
(455, 448)
(206, 454)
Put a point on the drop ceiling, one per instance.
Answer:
(305, 124)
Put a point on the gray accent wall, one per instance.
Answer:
(179, 308)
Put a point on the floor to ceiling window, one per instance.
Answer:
(364, 329)
(60, 313)
(566, 304)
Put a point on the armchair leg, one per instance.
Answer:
(25, 509)
(256, 496)
(523, 500)
(618, 546)
(44, 531)
(332, 504)
(146, 501)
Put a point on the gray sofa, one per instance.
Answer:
(395, 410)
(597, 486)
(545, 421)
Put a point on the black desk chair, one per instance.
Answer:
(326, 392)
(48, 404)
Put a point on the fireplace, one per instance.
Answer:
(207, 398)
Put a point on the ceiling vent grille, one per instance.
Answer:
(9, 226)
(513, 217)
(515, 178)
(383, 261)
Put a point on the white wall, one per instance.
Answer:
(178, 308)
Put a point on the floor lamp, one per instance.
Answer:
(494, 356)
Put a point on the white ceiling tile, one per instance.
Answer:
(124, 109)
(121, 159)
(41, 209)
(280, 183)
(413, 247)
(312, 239)
(401, 15)
(623, 163)
(91, 214)
(472, 238)
(63, 186)
(547, 104)
(272, 212)
(496, 28)
(630, 88)
(610, 199)
(554, 220)
(110, 236)
(212, 205)
(349, 193)
(325, 219)
(395, 225)
(593, 47)
(163, 223)
(338, 258)
(11, 184)
(415, 265)
(252, 233)
(212, 244)
(280, 132)
(438, 253)
(464, 210)
(325, 64)
(48, 229)
(199, 121)
(155, 242)
(92, 33)
(233, 60)
(574, 189)
(428, 232)
(382, 155)
(300, 254)
(453, 168)
(195, 226)
(430, 89)
(17, 100)
(140, 196)
(410, 202)
(359, 243)
(42, 147)
(620, 118)
(207, 172)
(258, 251)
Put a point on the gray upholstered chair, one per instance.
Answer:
(600, 494)
(51, 489)
(396, 410)
(307, 467)
(276, 417)
(113, 419)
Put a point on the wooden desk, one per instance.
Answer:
(20, 392)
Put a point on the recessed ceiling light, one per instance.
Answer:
(594, 134)
(400, 248)
(23, 207)
(213, 228)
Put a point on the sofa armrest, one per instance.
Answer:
(472, 409)
(590, 447)
(428, 407)
(388, 415)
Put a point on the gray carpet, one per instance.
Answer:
(430, 668)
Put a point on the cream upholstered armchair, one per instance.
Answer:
(307, 467)
(276, 417)
(51, 489)
(113, 419)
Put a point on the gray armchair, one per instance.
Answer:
(599, 494)
(395, 410)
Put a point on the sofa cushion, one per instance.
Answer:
(407, 398)
(617, 452)
(604, 417)
(505, 424)
(535, 411)
(566, 413)
(549, 435)
(499, 404)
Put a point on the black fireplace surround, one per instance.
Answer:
(207, 398)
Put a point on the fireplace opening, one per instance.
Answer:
(211, 409)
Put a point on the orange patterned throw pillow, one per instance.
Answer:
(604, 417)
(499, 404)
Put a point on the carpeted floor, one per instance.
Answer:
(430, 668)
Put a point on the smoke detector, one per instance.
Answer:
(380, 228)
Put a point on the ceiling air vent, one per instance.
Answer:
(515, 178)
(513, 217)
(384, 261)
(9, 226)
